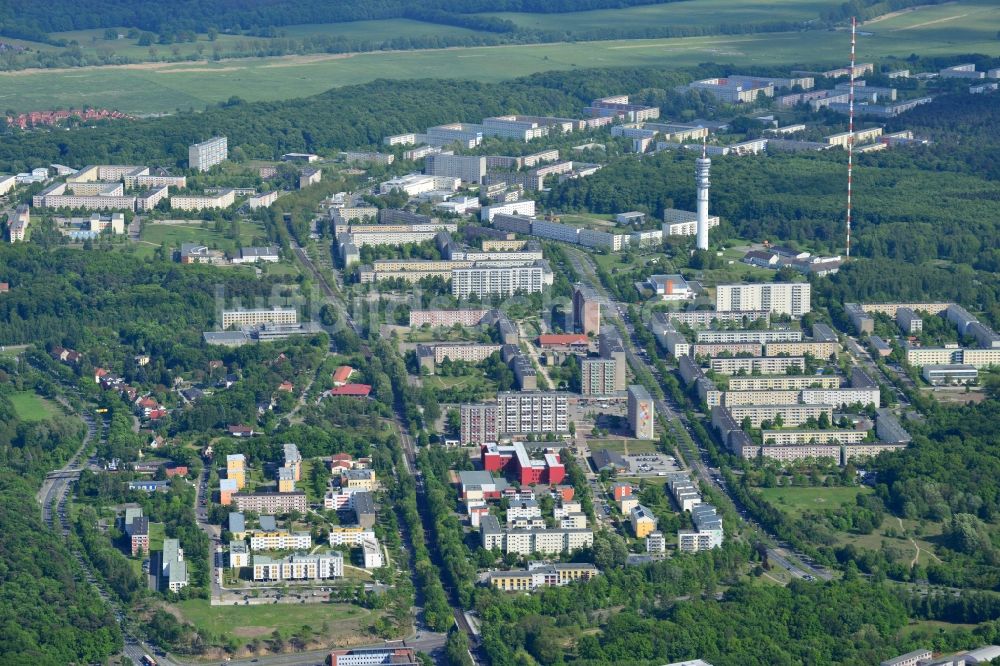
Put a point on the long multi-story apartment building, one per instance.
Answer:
(467, 168)
(203, 156)
(706, 318)
(801, 452)
(734, 337)
(223, 199)
(274, 315)
(522, 207)
(270, 503)
(108, 196)
(763, 397)
(488, 281)
(350, 535)
(791, 415)
(711, 350)
(299, 567)
(541, 574)
(532, 412)
(526, 542)
(447, 318)
(790, 298)
(678, 222)
(769, 365)
(841, 396)
(819, 350)
(782, 382)
(470, 352)
(280, 541)
(796, 437)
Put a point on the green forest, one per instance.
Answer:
(48, 613)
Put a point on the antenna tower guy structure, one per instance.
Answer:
(850, 134)
(701, 169)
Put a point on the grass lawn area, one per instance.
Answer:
(934, 626)
(623, 445)
(967, 26)
(262, 620)
(464, 383)
(796, 501)
(32, 407)
(612, 262)
(172, 235)
(157, 533)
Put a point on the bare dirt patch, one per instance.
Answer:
(252, 632)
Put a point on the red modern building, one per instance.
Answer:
(514, 462)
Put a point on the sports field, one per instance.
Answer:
(796, 501)
(264, 619)
(32, 407)
(968, 26)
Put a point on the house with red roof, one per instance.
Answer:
(342, 374)
(563, 341)
(240, 431)
(352, 390)
(100, 373)
(286, 386)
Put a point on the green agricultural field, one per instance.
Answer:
(796, 501)
(92, 42)
(32, 407)
(968, 26)
(262, 620)
(680, 14)
(375, 30)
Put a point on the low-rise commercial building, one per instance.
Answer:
(950, 374)
(541, 574)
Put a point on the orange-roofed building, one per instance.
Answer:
(342, 374)
(353, 390)
(563, 340)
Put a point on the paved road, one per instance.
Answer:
(675, 417)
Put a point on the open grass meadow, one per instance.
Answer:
(967, 26)
(32, 407)
(172, 235)
(262, 620)
(797, 500)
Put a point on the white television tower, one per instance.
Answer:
(701, 168)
